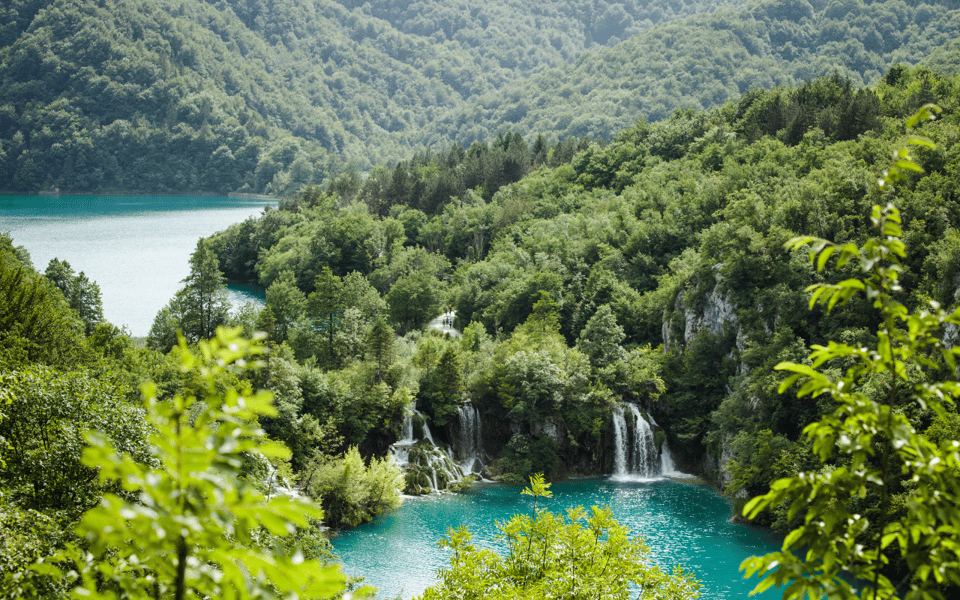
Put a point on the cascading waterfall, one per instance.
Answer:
(427, 467)
(620, 447)
(667, 466)
(426, 428)
(470, 449)
(407, 428)
(635, 452)
(645, 461)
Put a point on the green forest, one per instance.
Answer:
(653, 269)
(742, 219)
(187, 96)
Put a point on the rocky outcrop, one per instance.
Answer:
(712, 314)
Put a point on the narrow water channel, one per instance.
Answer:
(684, 522)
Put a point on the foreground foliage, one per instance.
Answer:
(586, 554)
(186, 523)
(904, 540)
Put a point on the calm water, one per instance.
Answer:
(684, 522)
(137, 248)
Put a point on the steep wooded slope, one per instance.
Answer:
(702, 62)
(258, 95)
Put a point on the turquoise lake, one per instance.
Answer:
(685, 522)
(137, 248)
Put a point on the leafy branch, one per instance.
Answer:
(866, 444)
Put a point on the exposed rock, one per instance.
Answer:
(713, 314)
(549, 428)
(951, 337)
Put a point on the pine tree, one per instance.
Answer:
(203, 300)
(380, 346)
(324, 306)
(86, 301)
(198, 308)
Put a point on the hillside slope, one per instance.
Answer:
(270, 95)
(702, 62)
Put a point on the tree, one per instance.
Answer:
(198, 308)
(324, 306)
(287, 303)
(601, 338)
(352, 492)
(43, 424)
(443, 387)
(85, 300)
(414, 299)
(203, 300)
(194, 526)
(61, 275)
(544, 321)
(586, 554)
(380, 344)
(35, 325)
(82, 295)
(868, 445)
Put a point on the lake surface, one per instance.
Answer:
(684, 522)
(137, 248)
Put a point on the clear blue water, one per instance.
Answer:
(136, 248)
(684, 522)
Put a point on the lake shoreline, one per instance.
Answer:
(231, 195)
(136, 248)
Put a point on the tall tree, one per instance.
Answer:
(198, 308)
(287, 303)
(203, 300)
(443, 387)
(82, 294)
(86, 301)
(380, 346)
(545, 318)
(324, 307)
(600, 340)
(34, 323)
(61, 274)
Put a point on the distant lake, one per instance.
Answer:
(137, 248)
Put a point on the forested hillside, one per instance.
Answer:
(651, 269)
(193, 96)
(204, 96)
(704, 61)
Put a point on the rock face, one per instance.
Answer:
(951, 337)
(714, 313)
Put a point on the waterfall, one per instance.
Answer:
(667, 466)
(426, 428)
(635, 452)
(471, 441)
(619, 442)
(407, 428)
(645, 462)
(427, 467)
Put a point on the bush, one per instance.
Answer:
(350, 492)
(586, 554)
